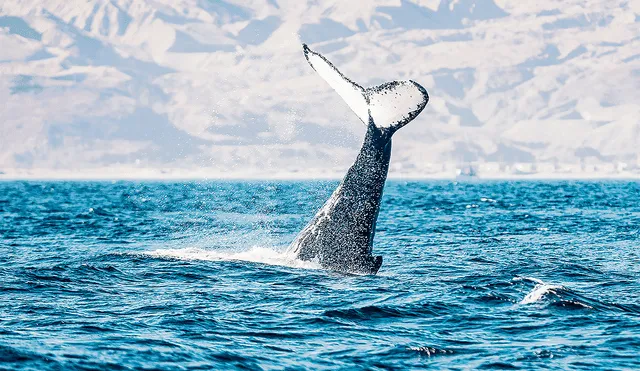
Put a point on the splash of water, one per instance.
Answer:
(539, 290)
(256, 254)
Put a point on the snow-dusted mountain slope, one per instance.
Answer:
(222, 85)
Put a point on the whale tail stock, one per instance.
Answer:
(388, 106)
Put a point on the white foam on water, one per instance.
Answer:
(539, 291)
(429, 351)
(256, 254)
(530, 279)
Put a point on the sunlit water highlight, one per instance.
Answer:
(155, 275)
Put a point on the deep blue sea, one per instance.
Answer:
(193, 275)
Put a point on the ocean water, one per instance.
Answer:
(192, 275)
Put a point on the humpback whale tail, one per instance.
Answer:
(388, 106)
(340, 235)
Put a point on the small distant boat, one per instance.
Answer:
(467, 172)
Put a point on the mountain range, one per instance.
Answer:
(220, 88)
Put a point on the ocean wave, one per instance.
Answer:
(430, 351)
(539, 292)
(563, 297)
(372, 312)
(369, 312)
(256, 254)
(11, 354)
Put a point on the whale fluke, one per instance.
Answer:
(340, 236)
(389, 106)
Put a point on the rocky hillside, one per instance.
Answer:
(221, 86)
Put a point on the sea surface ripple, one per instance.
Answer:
(193, 275)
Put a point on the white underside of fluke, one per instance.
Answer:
(389, 105)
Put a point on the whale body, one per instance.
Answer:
(340, 235)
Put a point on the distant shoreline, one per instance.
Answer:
(148, 175)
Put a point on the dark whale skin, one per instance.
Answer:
(341, 235)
